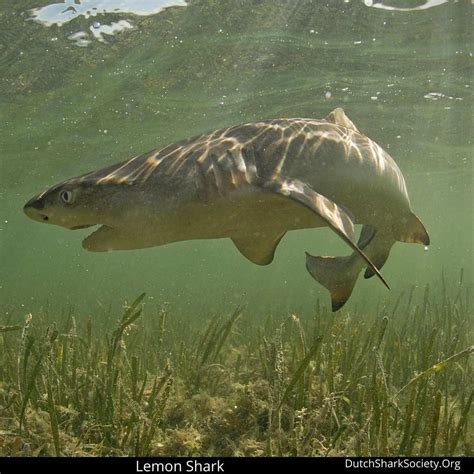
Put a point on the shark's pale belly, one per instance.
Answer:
(251, 214)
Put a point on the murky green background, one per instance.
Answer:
(403, 77)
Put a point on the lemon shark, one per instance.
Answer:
(252, 183)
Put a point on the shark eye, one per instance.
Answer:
(66, 196)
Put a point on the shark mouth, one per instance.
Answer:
(85, 226)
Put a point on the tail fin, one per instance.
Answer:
(414, 232)
(336, 274)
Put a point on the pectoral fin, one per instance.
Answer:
(332, 214)
(259, 247)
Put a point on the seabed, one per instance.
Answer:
(152, 383)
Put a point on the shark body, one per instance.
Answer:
(251, 183)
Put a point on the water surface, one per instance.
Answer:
(90, 83)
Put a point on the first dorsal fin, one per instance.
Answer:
(339, 117)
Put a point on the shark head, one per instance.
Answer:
(111, 198)
(77, 204)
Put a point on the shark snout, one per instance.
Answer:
(33, 209)
(35, 203)
(38, 209)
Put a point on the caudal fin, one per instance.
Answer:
(336, 274)
(414, 231)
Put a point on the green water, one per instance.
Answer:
(403, 76)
